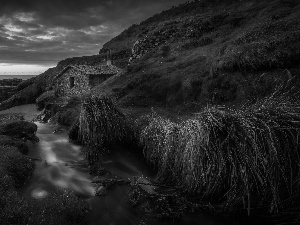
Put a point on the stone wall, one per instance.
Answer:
(81, 83)
(118, 59)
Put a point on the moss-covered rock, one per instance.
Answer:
(19, 129)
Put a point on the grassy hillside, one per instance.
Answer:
(197, 53)
(222, 52)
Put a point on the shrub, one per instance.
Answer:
(237, 158)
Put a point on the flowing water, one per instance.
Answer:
(63, 165)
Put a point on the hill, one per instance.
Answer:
(197, 53)
(203, 52)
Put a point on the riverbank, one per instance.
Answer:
(29, 112)
(16, 169)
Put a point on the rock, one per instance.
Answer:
(19, 129)
(58, 131)
(100, 191)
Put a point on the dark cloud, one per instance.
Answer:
(46, 31)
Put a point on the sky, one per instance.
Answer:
(37, 34)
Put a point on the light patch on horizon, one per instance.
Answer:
(46, 37)
(19, 69)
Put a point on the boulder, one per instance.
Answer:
(19, 129)
(100, 191)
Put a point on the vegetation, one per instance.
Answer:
(19, 129)
(269, 45)
(244, 157)
(100, 124)
(241, 39)
(9, 141)
(25, 83)
(44, 98)
(15, 164)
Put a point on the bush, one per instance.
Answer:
(241, 158)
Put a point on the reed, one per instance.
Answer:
(101, 123)
(235, 157)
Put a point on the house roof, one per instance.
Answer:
(93, 70)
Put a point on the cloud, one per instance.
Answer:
(45, 32)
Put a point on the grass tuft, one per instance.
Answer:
(101, 124)
(244, 157)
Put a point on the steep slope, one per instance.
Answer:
(200, 52)
(208, 52)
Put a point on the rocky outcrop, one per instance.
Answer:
(189, 28)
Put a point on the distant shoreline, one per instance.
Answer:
(23, 77)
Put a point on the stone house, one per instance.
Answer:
(79, 79)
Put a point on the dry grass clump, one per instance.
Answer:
(101, 123)
(243, 157)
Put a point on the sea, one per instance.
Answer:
(23, 77)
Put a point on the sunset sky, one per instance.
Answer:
(36, 34)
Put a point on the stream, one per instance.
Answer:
(63, 165)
